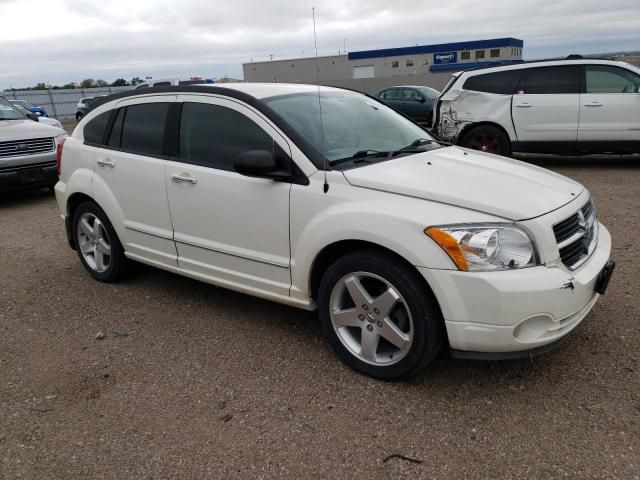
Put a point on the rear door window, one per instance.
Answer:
(116, 131)
(162, 84)
(393, 94)
(503, 83)
(550, 80)
(143, 128)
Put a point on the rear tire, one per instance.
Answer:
(487, 138)
(380, 317)
(97, 244)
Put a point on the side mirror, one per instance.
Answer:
(33, 116)
(261, 164)
(420, 99)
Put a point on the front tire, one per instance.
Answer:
(97, 244)
(380, 317)
(487, 138)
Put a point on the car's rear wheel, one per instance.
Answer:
(379, 315)
(487, 138)
(97, 244)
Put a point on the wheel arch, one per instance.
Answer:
(330, 253)
(74, 200)
(468, 128)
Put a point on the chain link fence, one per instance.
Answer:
(60, 104)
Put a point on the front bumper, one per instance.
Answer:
(33, 175)
(516, 310)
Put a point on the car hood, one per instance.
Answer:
(465, 178)
(26, 129)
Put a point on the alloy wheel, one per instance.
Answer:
(93, 242)
(371, 318)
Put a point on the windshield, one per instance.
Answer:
(351, 122)
(8, 111)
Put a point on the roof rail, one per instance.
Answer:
(520, 62)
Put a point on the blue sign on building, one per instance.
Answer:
(440, 58)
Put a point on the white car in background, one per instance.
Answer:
(45, 120)
(404, 244)
(174, 81)
(50, 121)
(576, 105)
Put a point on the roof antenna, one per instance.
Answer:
(324, 158)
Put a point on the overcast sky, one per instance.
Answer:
(59, 41)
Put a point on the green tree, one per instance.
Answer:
(101, 83)
(41, 86)
(119, 82)
(136, 81)
(69, 86)
(88, 83)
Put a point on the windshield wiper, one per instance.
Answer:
(413, 146)
(359, 156)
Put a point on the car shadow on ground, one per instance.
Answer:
(304, 327)
(13, 199)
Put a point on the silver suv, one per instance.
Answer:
(27, 150)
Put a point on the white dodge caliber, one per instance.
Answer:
(326, 198)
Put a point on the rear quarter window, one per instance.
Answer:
(503, 83)
(95, 129)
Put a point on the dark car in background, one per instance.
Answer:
(37, 109)
(414, 101)
(84, 105)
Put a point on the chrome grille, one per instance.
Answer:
(577, 236)
(17, 148)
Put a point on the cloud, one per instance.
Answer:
(64, 40)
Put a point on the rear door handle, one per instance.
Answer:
(593, 104)
(524, 105)
(183, 179)
(106, 163)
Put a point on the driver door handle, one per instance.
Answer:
(184, 178)
(593, 104)
(524, 105)
(106, 163)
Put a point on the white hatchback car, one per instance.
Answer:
(404, 244)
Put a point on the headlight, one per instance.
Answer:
(485, 247)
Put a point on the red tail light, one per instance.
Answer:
(59, 154)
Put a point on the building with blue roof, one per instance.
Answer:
(371, 70)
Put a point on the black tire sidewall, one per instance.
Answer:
(427, 320)
(118, 260)
(504, 145)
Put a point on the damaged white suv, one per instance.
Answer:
(565, 106)
(405, 245)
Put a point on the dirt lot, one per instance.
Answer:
(193, 381)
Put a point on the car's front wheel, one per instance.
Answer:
(97, 244)
(379, 315)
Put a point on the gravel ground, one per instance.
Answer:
(193, 381)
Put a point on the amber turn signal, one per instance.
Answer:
(450, 245)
